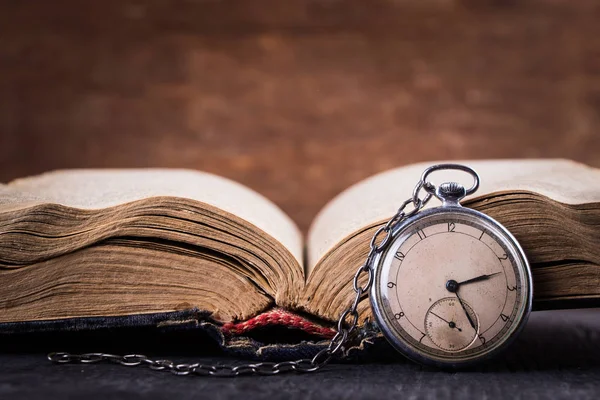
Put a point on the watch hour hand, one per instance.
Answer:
(479, 278)
(452, 286)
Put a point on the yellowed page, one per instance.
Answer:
(95, 189)
(377, 198)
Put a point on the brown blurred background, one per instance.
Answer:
(297, 99)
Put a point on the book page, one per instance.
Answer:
(377, 198)
(95, 189)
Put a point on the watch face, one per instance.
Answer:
(452, 288)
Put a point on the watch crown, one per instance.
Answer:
(452, 188)
(451, 192)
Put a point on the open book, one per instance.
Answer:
(89, 243)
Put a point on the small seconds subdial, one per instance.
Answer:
(450, 325)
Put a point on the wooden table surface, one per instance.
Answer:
(297, 99)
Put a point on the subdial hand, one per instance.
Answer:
(451, 324)
(465, 310)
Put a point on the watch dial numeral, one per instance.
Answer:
(482, 233)
(503, 257)
(421, 234)
(511, 289)
(391, 284)
(504, 317)
(451, 226)
(399, 255)
(422, 337)
(399, 315)
(482, 338)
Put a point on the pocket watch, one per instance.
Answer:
(451, 287)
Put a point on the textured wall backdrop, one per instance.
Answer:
(300, 98)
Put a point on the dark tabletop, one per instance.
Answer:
(557, 356)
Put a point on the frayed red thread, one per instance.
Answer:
(277, 317)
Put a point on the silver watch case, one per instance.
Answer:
(382, 260)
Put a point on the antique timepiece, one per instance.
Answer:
(449, 287)
(452, 286)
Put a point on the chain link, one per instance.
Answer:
(347, 322)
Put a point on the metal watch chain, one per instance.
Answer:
(346, 325)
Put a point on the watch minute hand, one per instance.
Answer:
(478, 278)
(465, 310)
